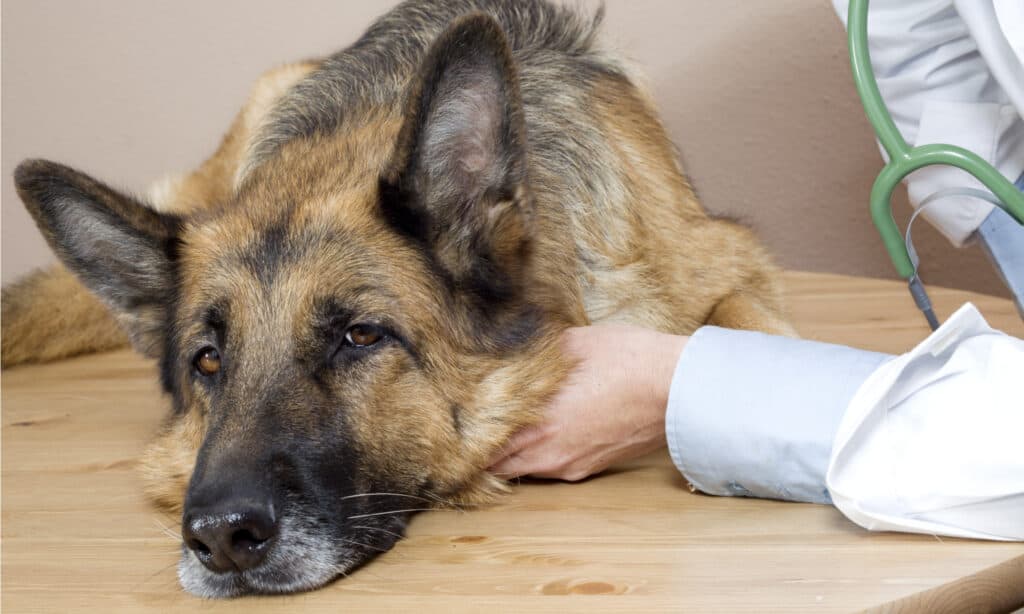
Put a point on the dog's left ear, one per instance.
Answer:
(458, 179)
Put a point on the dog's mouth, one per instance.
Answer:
(306, 553)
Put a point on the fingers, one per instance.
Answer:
(526, 464)
(510, 467)
(514, 459)
(566, 470)
(518, 464)
(541, 459)
(568, 474)
(518, 442)
(525, 452)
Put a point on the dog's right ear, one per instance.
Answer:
(120, 249)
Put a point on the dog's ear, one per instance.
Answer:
(458, 179)
(120, 249)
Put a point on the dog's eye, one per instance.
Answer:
(363, 335)
(208, 361)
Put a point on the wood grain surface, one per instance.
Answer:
(999, 588)
(77, 534)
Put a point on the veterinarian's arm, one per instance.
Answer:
(747, 413)
(757, 415)
(754, 415)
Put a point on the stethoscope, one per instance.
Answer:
(904, 160)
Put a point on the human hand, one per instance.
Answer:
(611, 407)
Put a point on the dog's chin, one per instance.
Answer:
(311, 573)
(301, 560)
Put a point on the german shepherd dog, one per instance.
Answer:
(358, 298)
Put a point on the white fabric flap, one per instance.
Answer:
(933, 441)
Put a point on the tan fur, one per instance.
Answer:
(49, 315)
(649, 280)
(168, 461)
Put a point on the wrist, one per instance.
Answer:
(665, 355)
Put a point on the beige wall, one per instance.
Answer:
(756, 94)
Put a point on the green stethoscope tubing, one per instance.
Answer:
(904, 159)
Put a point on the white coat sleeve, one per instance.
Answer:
(754, 415)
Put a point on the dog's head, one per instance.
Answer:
(349, 340)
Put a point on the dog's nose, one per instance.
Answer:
(230, 537)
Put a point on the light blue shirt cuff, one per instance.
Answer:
(754, 415)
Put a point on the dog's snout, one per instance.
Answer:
(232, 536)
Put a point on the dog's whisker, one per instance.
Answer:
(392, 533)
(167, 531)
(384, 494)
(443, 502)
(446, 503)
(355, 543)
(153, 575)
(430, 498)
(408, 510)
(162, 525)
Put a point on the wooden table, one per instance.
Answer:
(78, 535)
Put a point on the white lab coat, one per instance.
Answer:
(952, 71)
